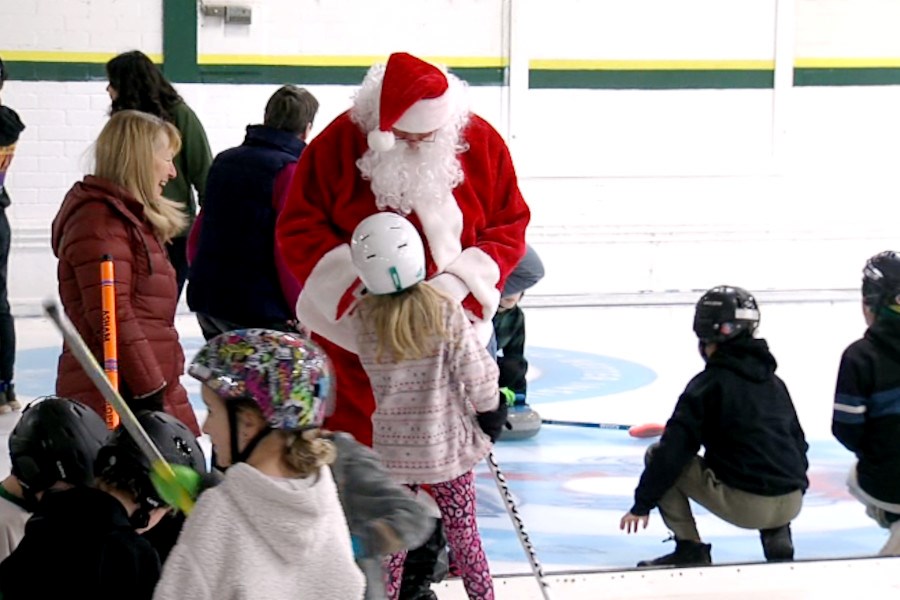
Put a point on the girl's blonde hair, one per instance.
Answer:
(407, 324)
(124, 154)
(305, 452)
(308, 451)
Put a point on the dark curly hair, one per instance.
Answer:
(140, 85)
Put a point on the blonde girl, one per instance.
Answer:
(430, 377)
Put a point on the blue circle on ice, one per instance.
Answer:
(561, 374)
(568, 375)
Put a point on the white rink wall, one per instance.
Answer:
(779, 187)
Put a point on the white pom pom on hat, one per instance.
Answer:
(381, 141)
(413, 98)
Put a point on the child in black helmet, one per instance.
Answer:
(867, 399)
(91, 536)
(52, 447)
(753, 471)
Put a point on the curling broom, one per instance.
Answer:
(95, 372)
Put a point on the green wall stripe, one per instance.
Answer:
(180, 40)
(314, 75)
(663, 79)
(485, 76)
(55, 71)
(847, 76)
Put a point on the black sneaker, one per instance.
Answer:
(11, 397)
(777, 544)
(425, 565)
(5, 405)
(687, 554)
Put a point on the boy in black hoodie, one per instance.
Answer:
(867, 399)
(10, 128)
(753, 471)
(89, 538)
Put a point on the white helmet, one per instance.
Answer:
(387, 252)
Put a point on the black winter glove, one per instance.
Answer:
(493, 422)
(154, 401)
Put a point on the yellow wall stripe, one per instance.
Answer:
(847, 63)
(70, 57)
(649, 65)
(496, 62)
(342, 61)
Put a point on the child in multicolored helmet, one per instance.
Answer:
(91, 535)
(52, 447)
(430, 376)
(753, 471)
(867, 399)
(276, 527)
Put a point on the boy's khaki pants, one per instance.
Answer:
(742, 509)
(876, 509)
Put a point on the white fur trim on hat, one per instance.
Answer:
(426, 115)
(381, 141)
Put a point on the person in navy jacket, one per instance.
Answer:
(235, 277)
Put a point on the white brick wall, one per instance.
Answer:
(650, 29)
(848, 28)
(339, 27)
(81, 25)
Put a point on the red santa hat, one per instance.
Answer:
(414, 99)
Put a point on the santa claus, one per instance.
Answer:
(409, 144)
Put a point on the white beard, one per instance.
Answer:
(406, 177)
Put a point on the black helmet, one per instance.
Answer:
(56, 439)
(121, 461)
(881, 280)
(725, 312)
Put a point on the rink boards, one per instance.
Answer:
(814, 580)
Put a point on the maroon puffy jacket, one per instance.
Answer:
(97, 218)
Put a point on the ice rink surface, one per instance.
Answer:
(625, 361)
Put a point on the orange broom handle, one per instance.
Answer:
(110, 338)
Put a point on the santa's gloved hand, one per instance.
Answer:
(180, 491)
(493, 422)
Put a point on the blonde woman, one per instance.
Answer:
(119, 211)
(431, 378)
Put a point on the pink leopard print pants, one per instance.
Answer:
(456, 500)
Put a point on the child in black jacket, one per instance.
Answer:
(867, 399)
(753, 471)
(91, 536)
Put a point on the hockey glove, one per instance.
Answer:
(493, 422)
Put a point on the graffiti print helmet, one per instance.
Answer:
(289, 377)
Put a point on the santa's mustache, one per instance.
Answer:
(409, 174)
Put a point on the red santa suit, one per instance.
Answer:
(479, 239)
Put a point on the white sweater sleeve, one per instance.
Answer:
(183, 576)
